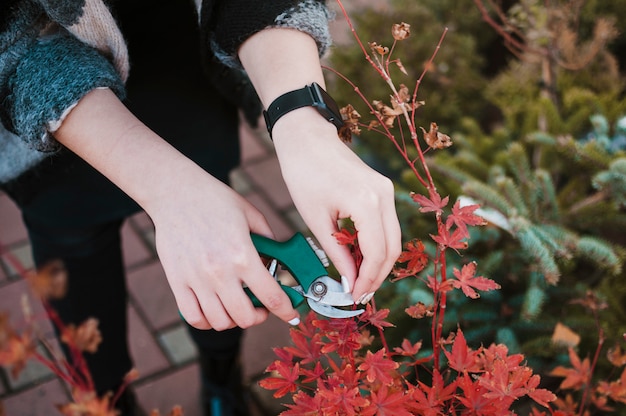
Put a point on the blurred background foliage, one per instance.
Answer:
(540, 145)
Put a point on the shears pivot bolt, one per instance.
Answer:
(319, 289)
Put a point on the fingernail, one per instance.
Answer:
(359, 300)
(295, 321)
(345, 284)
(366, 298)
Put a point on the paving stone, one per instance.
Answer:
(240, 182)
(12, 229)
(148, 286)
(178, 344)
(141, 220)
(148, 358)
(133, 247)
(252, 147)
(180, 387)
(23, 256)
(258, 343)
(266, 176)
(33, 373)
(13, 296)
(294, 218)
(281, 228)
(40, 400)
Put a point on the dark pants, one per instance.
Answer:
(74, 214)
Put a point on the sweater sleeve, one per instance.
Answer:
(233, 21)
(50, 78)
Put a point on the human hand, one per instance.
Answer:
(202, 226)
(328, 182)
(203, 241)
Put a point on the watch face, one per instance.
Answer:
(326, 105)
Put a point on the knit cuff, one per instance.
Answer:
(49, 81)
(233, 27)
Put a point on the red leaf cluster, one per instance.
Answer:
(329, 372)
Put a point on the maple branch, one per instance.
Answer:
(387, 132)
(380, 331)
(596, 356)
(367, 56)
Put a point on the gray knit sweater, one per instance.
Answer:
(53, 52)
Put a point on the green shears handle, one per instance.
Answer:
(297, 256)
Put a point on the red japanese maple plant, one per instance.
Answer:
(330, 369)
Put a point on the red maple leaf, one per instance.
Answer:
(415, 260)
(309, 350)
(453, 240)
(505, 384)
(285, 382)
(407, 349)
(616, 390)
(419, 310)
(467, 282)
(283, 354)
(343, 344)
(464, 216)
(385, 402)
(461, 357)
(349, 238)
(314, 374)
(541, 396)
(345, 236)
(378, 367)
(575, 377)
(438, 286)
(430, 400)
(376, 318)
(342, 401)
(432, 204)
(473, 396)
(304, 405)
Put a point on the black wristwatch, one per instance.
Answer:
(312, 95)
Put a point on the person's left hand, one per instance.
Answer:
(328, 182)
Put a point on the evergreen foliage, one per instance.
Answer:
(547, 169)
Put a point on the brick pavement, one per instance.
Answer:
(163, 353)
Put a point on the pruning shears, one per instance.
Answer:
(299, 256)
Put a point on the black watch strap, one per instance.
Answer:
(310, 96)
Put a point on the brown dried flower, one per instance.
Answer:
(435, 139)
(401, 31)
(87, 403)
(351, 123)
(85, 337)
(379, 49)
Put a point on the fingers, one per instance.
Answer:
(273, 298)
(338, 254)
(224, 304)
(381, 244)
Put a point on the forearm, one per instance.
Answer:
(107, 136)
(282, 60)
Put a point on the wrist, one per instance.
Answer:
(311, 95)
(302, 125)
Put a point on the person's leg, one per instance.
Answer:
(220, 371)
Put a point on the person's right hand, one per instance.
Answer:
(203, 240)
(202, 226)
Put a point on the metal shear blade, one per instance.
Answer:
(325, 294)
(331, 311)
